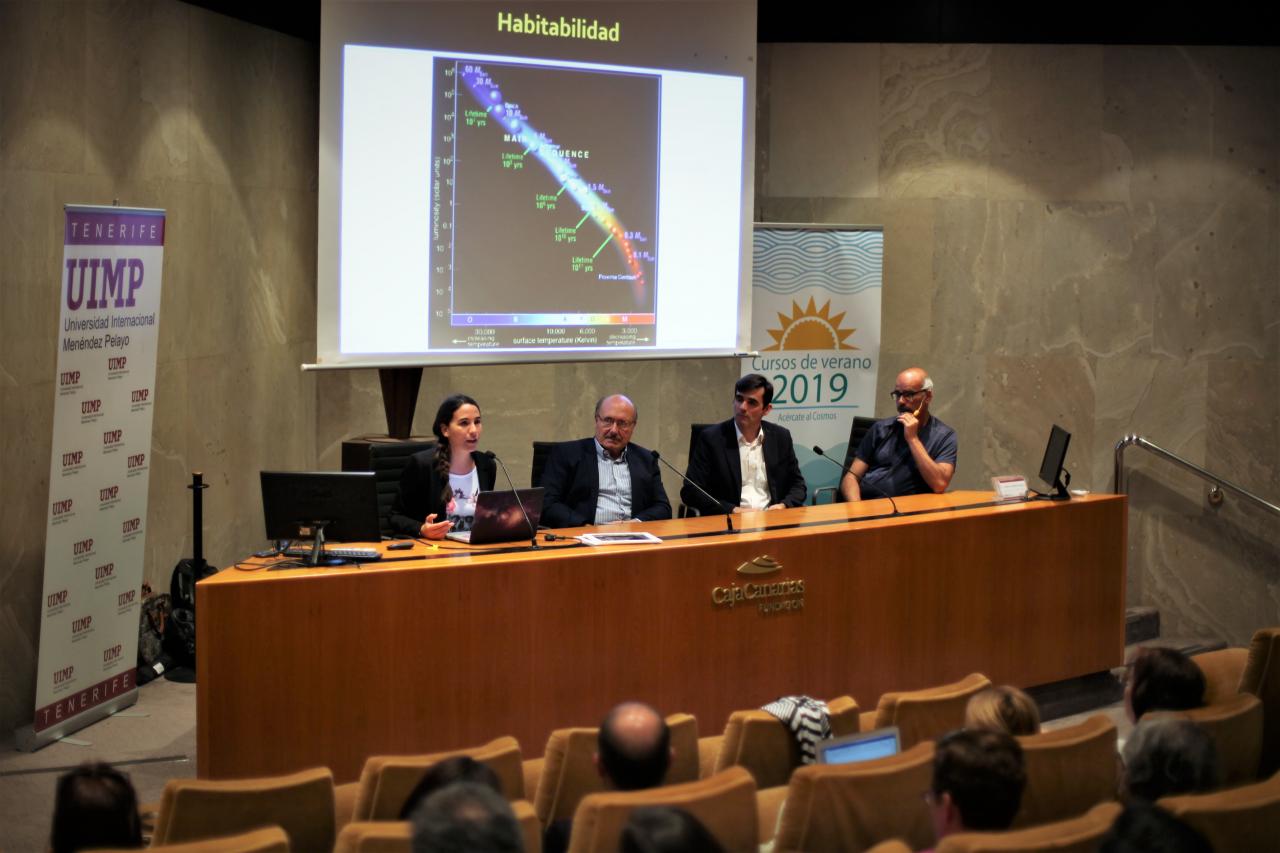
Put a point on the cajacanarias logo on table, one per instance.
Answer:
(778, 596)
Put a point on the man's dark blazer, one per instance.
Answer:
(716, 465)
(572, 480)
(421, 490)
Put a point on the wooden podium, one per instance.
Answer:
(445, 647)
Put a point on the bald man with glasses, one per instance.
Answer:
(910, 453)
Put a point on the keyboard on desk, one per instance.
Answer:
(344, 553)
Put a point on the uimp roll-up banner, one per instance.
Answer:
(104, 393)
(815, 324)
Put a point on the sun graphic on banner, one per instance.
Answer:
(810, 328)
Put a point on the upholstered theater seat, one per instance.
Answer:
(1243, 818)
(725, 804)
(1235, 725)
(300, 803)
(766, 747)
(1222, 670)
(853, 806)
(1069, 771)
(1077, 835)
(926, 714)
(393, 836)
(1261, 677)
(268, 839)
(567, 771)
(387, 780)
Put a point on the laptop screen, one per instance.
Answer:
(862, 747)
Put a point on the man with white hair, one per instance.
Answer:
(908, 454)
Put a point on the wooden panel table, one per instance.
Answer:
(441, 648)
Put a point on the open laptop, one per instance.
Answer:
(880, 743)
(500, 519)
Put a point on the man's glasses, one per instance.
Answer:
(610, 423)
(898, 395)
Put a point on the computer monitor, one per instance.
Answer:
(321, 506)
(866, 746)
(1051, 470)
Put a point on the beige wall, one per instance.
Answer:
(157, 104)
(1081, 235)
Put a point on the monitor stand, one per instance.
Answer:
(317, 544)
(1060, 492)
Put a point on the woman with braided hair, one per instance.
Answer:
(443, 483)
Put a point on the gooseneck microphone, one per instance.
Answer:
(818, 450)
(533, 531)
(728, 515)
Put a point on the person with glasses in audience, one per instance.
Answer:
(910, 453)
(606, 478)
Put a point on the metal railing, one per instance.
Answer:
(1218, 483)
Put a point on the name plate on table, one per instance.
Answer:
(1009, 488)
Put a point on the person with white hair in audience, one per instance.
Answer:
(1168, 756)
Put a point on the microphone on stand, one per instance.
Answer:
(818, 450)
(728, 515)
(533, 531)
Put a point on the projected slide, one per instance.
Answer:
(495, 206)
(544, 187)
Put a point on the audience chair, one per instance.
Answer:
(1236, 728)
(769, 803)
(393, 836)
(766, 747)
(375, 836)
(300, 803)
(853, 806)
(725, 803)
(893, 845)
(387, 780)
(1244, 818)
(1077, 835)
(541, 450)
(269, 839)
(530, 826)
(1262, 678)
(927, 714)
(567, 771)
(1222, 670)
(1069, 771)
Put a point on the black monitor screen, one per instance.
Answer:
(293, 501)
(1055, 453)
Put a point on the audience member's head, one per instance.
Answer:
(459, 768)
(466, 818)
(1162, 680)
(1145, 828)
(665, 829)
(634, 749)
(1002, 709)
(95, 806)
(978, 778)
(1168, 756)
